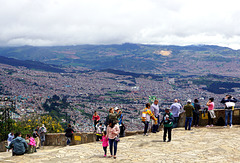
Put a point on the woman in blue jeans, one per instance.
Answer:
(112, 134)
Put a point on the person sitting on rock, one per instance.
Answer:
(31, 143)
(18, 145)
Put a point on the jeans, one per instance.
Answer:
(228, 113)
(111, 143)
(188, 123)
(175, 122)
(169, 131)
(155, 127)
(195, 118)
(146, 123)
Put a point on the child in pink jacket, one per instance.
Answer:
(105, 142)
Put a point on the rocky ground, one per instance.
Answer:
(215, 144)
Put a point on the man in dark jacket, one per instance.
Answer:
(69, 133)
(197, 107)
(229, 102)
(18, 144)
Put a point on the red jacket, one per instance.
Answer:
(97, 118)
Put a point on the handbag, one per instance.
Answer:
(117, 139)
(212, 113)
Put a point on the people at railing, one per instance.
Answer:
(189, 114)
(229, 103)
(211, 114)
(196, 113)
(176, 108)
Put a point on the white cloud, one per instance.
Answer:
(71, 22)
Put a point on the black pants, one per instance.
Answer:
(169, 131)
(146, 123)
(210, 120)
(105, 150)
(195, 118)
(95, 123)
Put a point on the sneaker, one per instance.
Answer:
(207, 126)
(104, 155)
(211, 125)
(194, 126)
(225, 127)
(146, 135)
(231, 126)
(169, 141)
(197, 126)
(164, 140)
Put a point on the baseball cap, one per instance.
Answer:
(189, 101)
(116, 108)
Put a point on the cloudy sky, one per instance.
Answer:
(73, 22)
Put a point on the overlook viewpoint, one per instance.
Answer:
(216, 144)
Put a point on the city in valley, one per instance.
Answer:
(86, 90)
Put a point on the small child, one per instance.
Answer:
(168, 124)
(104, 142)
(99, 132)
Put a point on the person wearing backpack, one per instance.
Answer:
(229, 103)
(69, 133)
(168, 124)
(146, 116)
(42, 131)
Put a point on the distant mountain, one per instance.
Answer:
(139, 58)
(30, 64)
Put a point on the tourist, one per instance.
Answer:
(211, 114)
(42, 131)
(146, 116)
(31, 144)
(122, 130)
(120, 122)
(175, 108)
(155, 110)
(69, 133)
(114, 116)
(167, 121)
(229, 102)
(18, 144)
(36, 137)
(112, 134)
(10, 138)
(104, 142)
(189, 115)
(196, 113)
(99, 131)
(95, 119)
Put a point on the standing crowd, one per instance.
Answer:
(170, 117)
